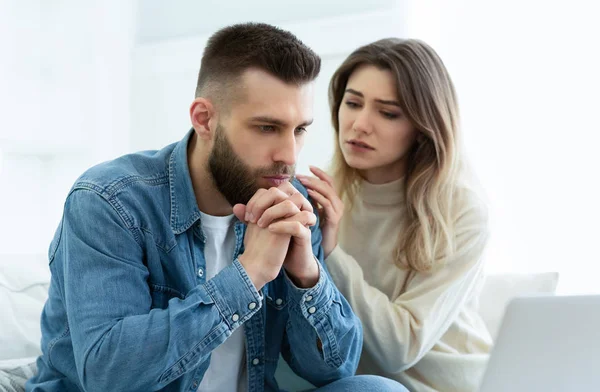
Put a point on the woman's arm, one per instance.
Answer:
(398, 332)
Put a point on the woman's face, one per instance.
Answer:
(375, 136)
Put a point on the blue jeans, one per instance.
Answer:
(366, 383)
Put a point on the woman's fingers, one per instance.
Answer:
(322, 175)
(322, 187)
(326, 204)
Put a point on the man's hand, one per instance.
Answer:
(263, 199)
(264, 253)
(286, 212)
(299, 263)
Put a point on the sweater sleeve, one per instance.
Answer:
(398, 332)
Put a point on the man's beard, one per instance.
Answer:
(236, 181)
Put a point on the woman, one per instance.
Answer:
(408, 252)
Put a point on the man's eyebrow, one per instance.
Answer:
(306, 123)
(276, 121)
(268, 120)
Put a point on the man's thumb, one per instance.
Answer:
(240, 211)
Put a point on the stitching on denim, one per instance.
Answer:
(53, 342)
(160, 288)
(157, 243)
(55, 244)
(119, 184)
(212, 292)
(180, 366)
(333, 359)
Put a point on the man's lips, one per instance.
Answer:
(276, 180)
(282, 177)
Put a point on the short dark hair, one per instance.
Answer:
(234, 49)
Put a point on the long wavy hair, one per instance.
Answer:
(428, 99)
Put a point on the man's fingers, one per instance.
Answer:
(301, 201)
(288, 188)
(251, 203)
(293, 228)
(295, 195)
(304, 218)
(279, 211)
(268, 198)
(273, 196)
(239, 210)
(307, 218)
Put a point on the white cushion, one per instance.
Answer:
(499, 289)
(24, 282)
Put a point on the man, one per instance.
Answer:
(157, 285)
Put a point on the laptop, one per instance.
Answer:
(547, 344)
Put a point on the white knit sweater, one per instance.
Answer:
(421, 329)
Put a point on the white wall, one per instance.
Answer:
(528, 81)
(65, 81)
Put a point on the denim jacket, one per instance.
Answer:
(129, 308)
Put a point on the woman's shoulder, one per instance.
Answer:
(470, 205)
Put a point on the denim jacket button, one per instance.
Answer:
(200, 272)
(312, 309)
(278, 301)
(308, 298)
(252, 305)
(235, 317)
(255, 361)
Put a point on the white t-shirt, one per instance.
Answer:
(229, 359)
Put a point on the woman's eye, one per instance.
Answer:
(389, 115)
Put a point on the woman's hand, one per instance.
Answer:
(330, 208)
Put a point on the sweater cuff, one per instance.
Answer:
(341, 266)
(335, 255)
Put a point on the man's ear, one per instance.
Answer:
(203, 116)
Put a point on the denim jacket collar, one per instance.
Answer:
(184, 207)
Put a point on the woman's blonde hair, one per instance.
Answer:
(428, 100)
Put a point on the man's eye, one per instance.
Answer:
(266, 128)
(300, 131)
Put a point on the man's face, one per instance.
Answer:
(257, 143)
